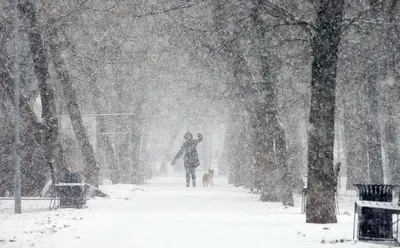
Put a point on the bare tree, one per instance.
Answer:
(391, 90)
(57, 46)
(325, 45)
(53, 150)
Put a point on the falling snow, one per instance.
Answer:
(281, 98)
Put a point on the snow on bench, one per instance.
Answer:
(381, 205)
(371, 223)
(70, 184)
(33, 198)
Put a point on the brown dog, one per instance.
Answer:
(208, 178)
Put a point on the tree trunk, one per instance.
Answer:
(32, 130)
(104, 146)
(373, 132)
(229, 146)
(231, 51)
(241, 148)
(356, 156)
(392, 147)
(206, 147)
(355, 133)
(391, 98)
(264, 156)
(144, 153)
(91, 170)
(126, 167)
(222, 163)
(138, 170)
(282, 163)
(278, 174)
(325, 45)
(26, 111)
(53, 151)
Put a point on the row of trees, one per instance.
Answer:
(339, 47)
(292, 81)
(91, 58)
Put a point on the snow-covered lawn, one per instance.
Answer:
(166, 214)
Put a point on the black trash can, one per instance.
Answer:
(71, 196)
(375, 223)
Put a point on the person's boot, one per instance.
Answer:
(194, 183)
(187, 184)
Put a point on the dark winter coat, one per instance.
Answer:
(191, 158)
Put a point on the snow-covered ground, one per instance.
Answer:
(166, 214)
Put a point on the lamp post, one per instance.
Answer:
(16, 78)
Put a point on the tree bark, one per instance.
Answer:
(373, 132)
(222, 163)
(91, 170)
(138, 170)
(391, 93)
(32, 132)
(264, 156)
(26, 111)
(106, 149)
(325, 46)
(262, 106)
(231, 52)
(239, 150)
(278, 174)
(144, 153)
(356, 144)
(282, 162)
(53, 151)
(232, 146)
(392, 147)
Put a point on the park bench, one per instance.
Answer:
(66, 195)
(373, 213)
(31, 198)
(71, 193)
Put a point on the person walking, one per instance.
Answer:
(191, 158)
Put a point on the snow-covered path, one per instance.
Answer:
(166, 214)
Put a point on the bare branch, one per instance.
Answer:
(283, 14)
(361, 14)
(166, 10)
(116, 3)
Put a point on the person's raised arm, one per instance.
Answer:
(178, 154)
